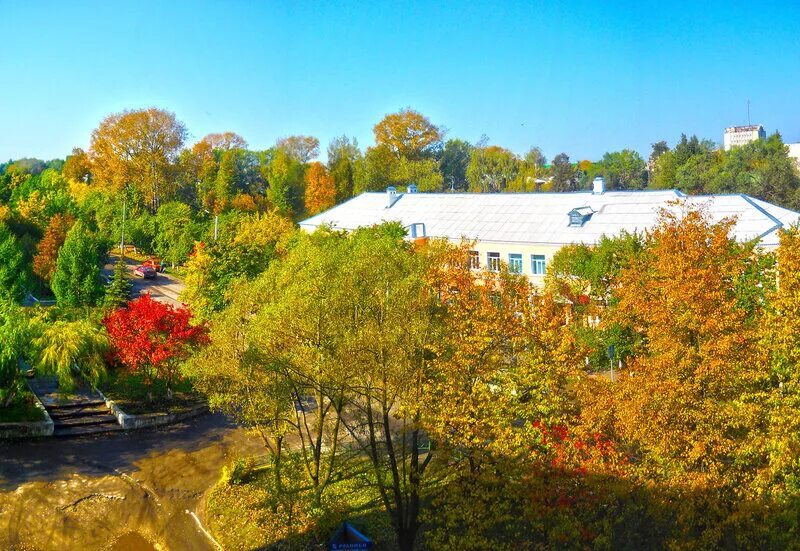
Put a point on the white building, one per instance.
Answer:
(794, 153)
(736, 136)
(526, 229)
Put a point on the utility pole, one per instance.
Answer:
(748, 112)
(216, 226)
(122, 243)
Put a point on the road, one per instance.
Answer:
(131, 491)
(164, 287)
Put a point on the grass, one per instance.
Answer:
(240, 511)
(23, 410)
(129, 391)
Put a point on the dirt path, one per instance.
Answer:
(89, 492)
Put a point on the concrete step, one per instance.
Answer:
(85, 420)
(75, 404)
(70, 413)
(82, 430)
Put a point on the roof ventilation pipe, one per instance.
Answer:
(598, 185)
(391, 196)
(412, 188)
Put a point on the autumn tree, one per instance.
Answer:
(408, 133)
(300, 148)
(44, 263)
(153, 338)
(77, 167)
(76, 279)
(320, 193)
(138, 148)
(687, 401)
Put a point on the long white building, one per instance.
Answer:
(526, 229)
(736, 136)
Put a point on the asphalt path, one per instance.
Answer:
(106, 491)
(164, 287)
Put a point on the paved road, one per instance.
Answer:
(87, 492)
(164, 287)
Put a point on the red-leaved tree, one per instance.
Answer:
(152, 338)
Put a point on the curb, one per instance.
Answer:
(29, 430)
(128, 421)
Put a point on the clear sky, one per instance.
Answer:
(583, 78)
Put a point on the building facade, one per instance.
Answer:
(525, 230)
(737, 136)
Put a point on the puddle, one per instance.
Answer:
(131, 541)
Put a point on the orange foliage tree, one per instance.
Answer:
(44, 263)
(320, 193)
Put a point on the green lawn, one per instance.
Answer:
(241, 513)
(24, 410)
(130, 394)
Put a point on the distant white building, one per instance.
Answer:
(525, 230)
(794, 153)
(736, 136)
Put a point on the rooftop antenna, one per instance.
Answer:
(748, 112)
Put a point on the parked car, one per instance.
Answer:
(155, 263)
(144, 271)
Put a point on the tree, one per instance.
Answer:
(373, 172)
(77, 166)
(63, 345)
(535, 158)
(343, 154)
(139, 148)
(408, 133)
(44, 263)
(623, 170)
(176, 233)
(12, 266)
(153, 338)
(76, 280)
(658, 149)
(491, 169)
(118, 291)
(224, 141)
(300, 148)
(454, 164)
(320, 192)
(564, 177)
(285, 177)
(687, 401)
(14, 340)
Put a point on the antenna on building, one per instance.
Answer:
(748, 112)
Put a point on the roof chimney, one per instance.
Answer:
(598, 185)
(391, 196)
(412, 188)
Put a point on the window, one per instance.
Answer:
(538, 264)
(474, 260)
(493, 262)
(515, 263)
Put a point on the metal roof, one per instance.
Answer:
(543, 218)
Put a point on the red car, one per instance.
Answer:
(146, 272)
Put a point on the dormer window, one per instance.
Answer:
(579, 216)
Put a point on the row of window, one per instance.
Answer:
(538, 262)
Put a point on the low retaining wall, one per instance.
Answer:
(28, 430)
(128, 421)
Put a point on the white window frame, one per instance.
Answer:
(515, 263)
(474, 259)
(538, 262)
(493, 262)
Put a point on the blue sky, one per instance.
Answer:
(583, 78)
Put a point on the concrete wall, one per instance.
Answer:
(28, 430)
(128, 421)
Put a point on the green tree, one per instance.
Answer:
(492, 169)
(564, 176)
(62, 345)
(176, 234)
(454, 163)
(76, 281)
(623, 170)
(13, 266)
(14, 340)
(343, 153)
(119, 289)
